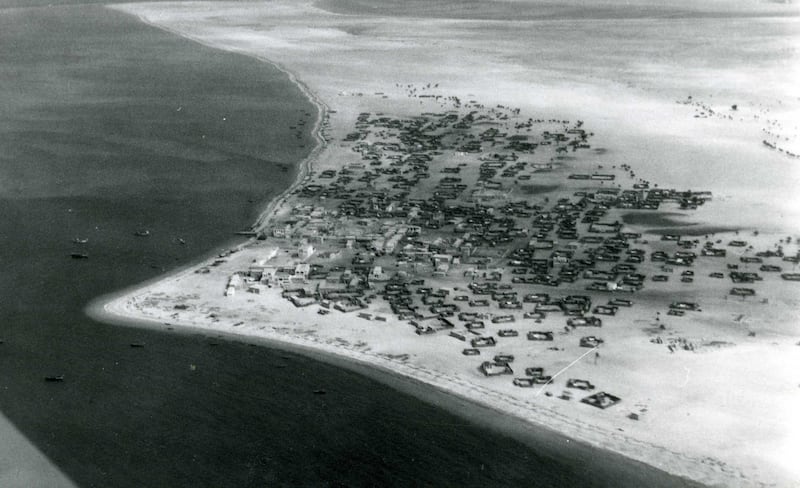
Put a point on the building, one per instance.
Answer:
(306, 250)
(301, 271)
(282, 231)
(377, 274)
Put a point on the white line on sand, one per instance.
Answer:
(573, 363)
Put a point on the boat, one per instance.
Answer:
(320, 392)
(142, 233)
(79, 240)
(137, 344)
(54, 378)
(181, 242)
(79, 255)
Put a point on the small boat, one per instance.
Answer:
(79, 240)
(54, 378)
(320, 392)
(79, 255)
(137, 344)
(181, 242)
(142, 233)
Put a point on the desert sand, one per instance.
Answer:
(723, 414)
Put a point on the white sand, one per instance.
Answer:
(725, 414)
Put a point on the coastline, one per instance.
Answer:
(305, 166)
(425, 384)
(430, 386)
(110, 309)
(433, 388)
(146, 97)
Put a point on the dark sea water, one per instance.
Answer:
(108, 126)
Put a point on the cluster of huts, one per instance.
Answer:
(406, 211)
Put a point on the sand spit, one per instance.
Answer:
(721, 413)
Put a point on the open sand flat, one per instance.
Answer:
(722, 414)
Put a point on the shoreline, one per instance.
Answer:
(543, 438)
(304, 168)
(112, 309)
(102, 310)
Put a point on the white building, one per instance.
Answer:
(301, 270)
(377, 274)
(306, 250)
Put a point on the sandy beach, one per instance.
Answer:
(723, 414)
